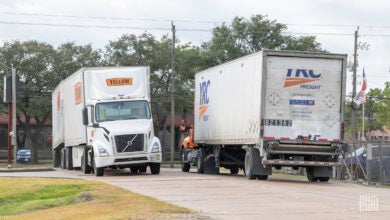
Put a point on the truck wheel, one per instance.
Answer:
(249, 164)
(200, 160)
(134, 170)
(142, 169)
(85, 167)
(154, 168)
(185, 167)
(234, 170)
(99, 171)
(262, 177)
(69, 158)
(310, 175)
(63, 158)
(56, 158)
(323, 179)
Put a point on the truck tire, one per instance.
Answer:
(69, 158)
(56, 158)
(200, 160)
(142, 169)
(134, 170)
(154, 168)
(99, 171)
(262, 177)
(249, 164)
(234, 170)
(63, 158)
(85, 167)
(185, 167)
(310, 175)
(323, 179)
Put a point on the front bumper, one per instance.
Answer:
(122, 160)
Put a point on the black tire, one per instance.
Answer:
(56, 158)
(262, 177)
(185, 167)
(142, 169)
(234, 170)
(310, 175)
(249, 164)
(154, 168)
(200, 160)
(99, 171)
(63, 158)
(85, 167)
(134, 170)
(69, 158)
(323, 179)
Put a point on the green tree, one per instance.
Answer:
(32, 61)
(40, 68)
(245, 36)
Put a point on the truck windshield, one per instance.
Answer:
(122, 110)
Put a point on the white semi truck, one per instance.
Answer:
(102, 119)
(269, 109)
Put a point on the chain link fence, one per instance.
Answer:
(366, 161)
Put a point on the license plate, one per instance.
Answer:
(25, 159)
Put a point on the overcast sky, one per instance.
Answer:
(334, 22)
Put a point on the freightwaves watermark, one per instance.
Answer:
(369, 203)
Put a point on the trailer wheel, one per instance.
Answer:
(185, 167)
(56, 158)
(69, 158)
(234, 170)
(310, 175)
(154, 168)
(323, 179)
(63, 158)
(200, 160)
(262, 177)
(249, 166)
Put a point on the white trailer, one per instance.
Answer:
(271, 108)
(102, 118)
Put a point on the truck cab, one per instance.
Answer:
(102, 119)
(120, 133)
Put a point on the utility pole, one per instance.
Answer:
(14, 136)
(353, 115)
(173, 96)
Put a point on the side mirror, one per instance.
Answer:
(85, 116)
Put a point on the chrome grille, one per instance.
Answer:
(129, 143)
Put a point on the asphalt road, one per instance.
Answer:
(235, 197)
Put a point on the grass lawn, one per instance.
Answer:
(42, 198)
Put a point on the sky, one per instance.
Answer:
(97, 22)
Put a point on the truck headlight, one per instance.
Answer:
(103, 152)
(155, 148)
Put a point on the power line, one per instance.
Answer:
(168, 29)
(110, 18)
(179, 20)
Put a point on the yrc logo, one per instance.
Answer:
(203, 100)
(301, 76)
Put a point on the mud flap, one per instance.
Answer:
(209, 165)
(319, 171)
(257, 167)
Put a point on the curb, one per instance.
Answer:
(11, 170)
